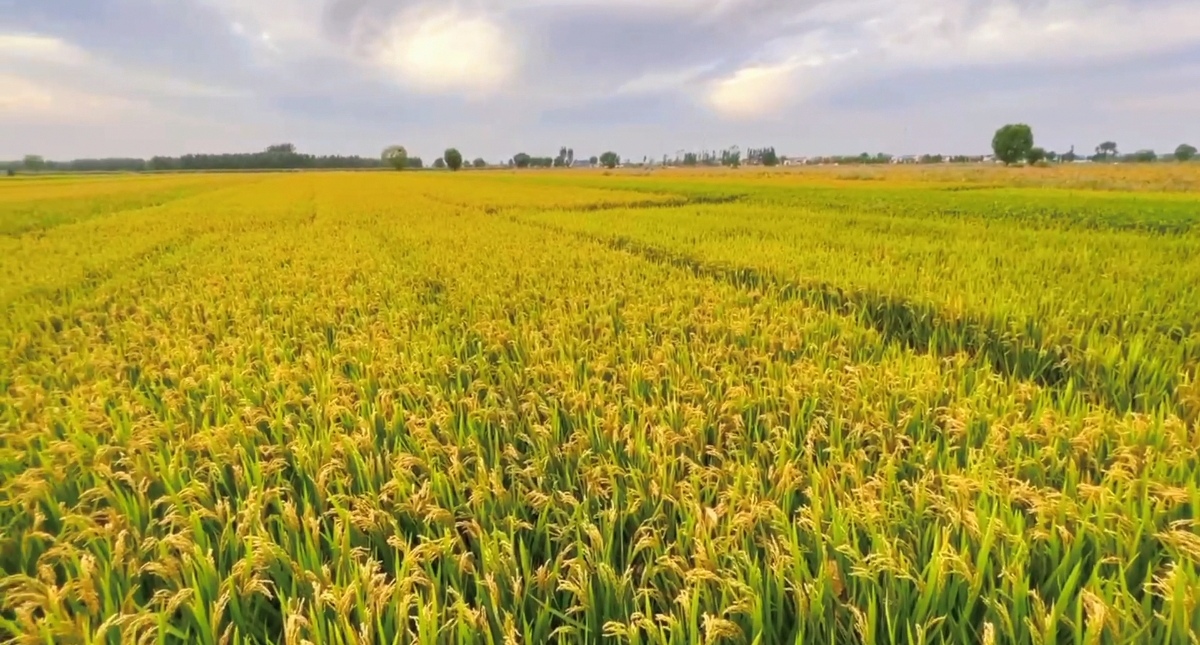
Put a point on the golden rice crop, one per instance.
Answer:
(491, 408)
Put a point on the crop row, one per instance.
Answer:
(307, 410)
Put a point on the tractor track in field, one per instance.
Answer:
(916, 326)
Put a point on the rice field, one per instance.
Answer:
(851, 406)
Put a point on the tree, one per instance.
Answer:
(439, 163)
(521, 160)
(1035, 155)
(479, 163)
(690, 159)
(275, 157)
(570, 156)
(769, 158)
(610, 160)
(1185, 152)
(1106, 150)
(1070, 156)
(731, 157)
(1145, 156)
(34, 163)
(453, 158)
(396, 157)
(1013, 142)
(415, 162)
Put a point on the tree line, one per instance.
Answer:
(1014, 143)
(397, 157)
(282, 156)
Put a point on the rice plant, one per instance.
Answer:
(530, 408)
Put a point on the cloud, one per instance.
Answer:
(39, 48)
(752, 91)
(20, 96)
(29, 93)
(941, 33)
(27, 101)
(293, 25)
(665, 80)
(760, 90)
(861, 42)
(57, 62)
(633, 75)
(450, 52)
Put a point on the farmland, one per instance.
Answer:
(876, 406)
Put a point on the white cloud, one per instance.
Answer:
(292, 24)
(1182, 102)
(453, 51)
(890, 36)
(49, 83)
(28, 101)
(691, 7)
(20, 96)
(41, 49)
(743, 59)
(56, 62)
(664, 80)
(753, 91)
(763, 89)
(938, 33)
(450, 52)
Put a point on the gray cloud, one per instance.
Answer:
(643, 77)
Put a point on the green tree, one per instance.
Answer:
(521, 160)
(479, 163)
(439, 163)
(1145, 156)
(396, 157)
(453, 158)
(1036, 155)
(594, 160)
(1106, 150)
(731, 157)
(1013, 142)
(769, 158)
(1185, 152)
(610, 160)
(34, 163)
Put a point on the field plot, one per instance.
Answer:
(575, 407)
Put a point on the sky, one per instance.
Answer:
(94, 78)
